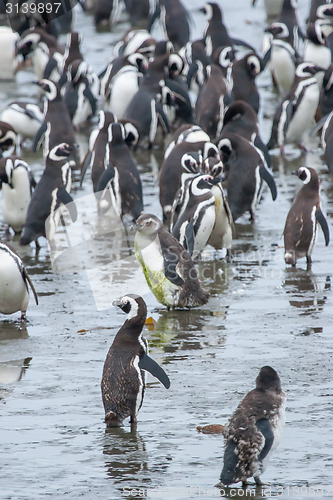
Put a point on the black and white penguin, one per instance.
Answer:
(316, 50)
(295, 115)
(254, 430)
(14, 281)
(51, 191)
(136, 40)
(215, 33)
(120, 82)
(300, 230)
(25, 117)
(46, 53)
(57, 126)
(196, 218)
(210, 104)
(120, 184)
(320, 9)
(78, 96)
(283, 58)
(194, 54)
(123, 380)
(17, 184)
(8, 139)
(167, 266)
(186, 133)
(288, 17)
(243, 74)
(175, 21)
(178, 163)
(245, 170)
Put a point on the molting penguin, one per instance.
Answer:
(196, 218)
(167, 266)
(57, 126)
(245, 170)
(120, 183)
(294, 116)
(17, 183)
(300, 230)
(210, 104)
(51, 191)
(123, 380)
(254, 430)
(14, 281)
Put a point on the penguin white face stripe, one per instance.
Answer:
(134, 306)
(308, 174)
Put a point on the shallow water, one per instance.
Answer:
(54, 442)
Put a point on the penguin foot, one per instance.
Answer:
(258, 481)
(23, 316)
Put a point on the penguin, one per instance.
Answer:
(17, 185)
(254, 430)
(283, 58)
(14, 281)
(245, 171)
(173, 167)
(25, 117)
(8, 139)
(186, 133)
(300, 230)
(138, 11)
(216, 34)
(243, 74)
(123, 380)
(327, 141)
(136, 40)
(210, 104)
(78, 96)
(8, 56)
(167, 266)
(105, 13)
(121, 180)
(294, 116)
(120, 82)
(57, 126)
(326, 94)
(46, 53)
(175, 21)
(197, 60)
(320, 9)
(98, 157)
(196, 218)
(72, 53)
(51, 191)
(316, 50)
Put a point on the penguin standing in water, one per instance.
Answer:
(17, 184)
(254, 430)
(167, 266)
(245, 170)
(123, 380)
(14, 281)
(300, 230)
(51, 191)
(57, 126)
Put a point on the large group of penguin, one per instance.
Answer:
(202, 95)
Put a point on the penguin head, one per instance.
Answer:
(268, 380)
(28, 43)
(49, 88)
(77, 69)
(212, 10)
(306, 174)
(324, 11)
(225, 148)
(307, 69)
(132, 134)
(60, 152)
(278, 30)
(176, 65)
(148, 224)
(116, 133)
(214, 167)
(139, 61)
(253, 64)
(105, 118)
(210, 151)
(315, 33)
(201, 184)
(191, 162)
(133, 305)
(224, 56)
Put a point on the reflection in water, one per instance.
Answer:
(304, 292)
(13, 371)
(10, 330)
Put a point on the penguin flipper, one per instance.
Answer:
(91, 99)
(85, 166)
(64, 197)
(26, 277)
(155, 15)
(263, 147)
(264, 426)
(189, 236)
(148, 364)
(50, 66)
(107, 176)
(170, 263)
(269, 179)
(162, 118)
(230, 461)
(62, 80)
(320, 217)
(266, 58)
(319, 125)
(39, 136)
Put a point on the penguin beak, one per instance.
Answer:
(117, 303)
(294, 172)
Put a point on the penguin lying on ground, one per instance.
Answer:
(14, 281)
(305, 214)
(254, 430)
(167, 266)
(123, 380)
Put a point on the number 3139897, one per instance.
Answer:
(33, 8)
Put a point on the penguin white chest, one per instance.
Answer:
(282, 67)
(13, 291)
(15, 200)
(302, 120)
